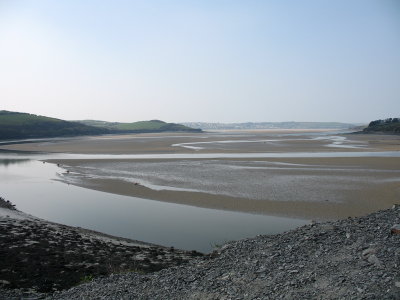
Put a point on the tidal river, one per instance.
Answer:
(196, 192)
(35, 189)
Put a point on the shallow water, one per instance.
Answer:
(158, 156)
(260, 180)
(31, 186)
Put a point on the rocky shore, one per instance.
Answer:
(39, 257)
(355, 258)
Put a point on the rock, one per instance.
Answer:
(372, 259)
(395, 229)
(312, 262)
(367, 253)
(6, 204)
(36, 253)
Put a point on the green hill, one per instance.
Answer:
(15, 125)
(142, 126)
(390, 125)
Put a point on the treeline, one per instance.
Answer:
(389, 125)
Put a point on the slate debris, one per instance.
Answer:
(6, 204)
(39, 257)
(395, 229)
(355, 258)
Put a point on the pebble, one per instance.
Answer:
(395, 229)
(45, 256)
(267, 267)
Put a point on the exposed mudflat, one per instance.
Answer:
(214, 142)
(312, 188)
(355, 258)
(320, 175)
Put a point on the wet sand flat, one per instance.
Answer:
(338, 195)
(308, 187)
(214, 142)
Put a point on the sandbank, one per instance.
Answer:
(237, 142)
(369, 197)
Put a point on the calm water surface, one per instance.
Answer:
(31, 185)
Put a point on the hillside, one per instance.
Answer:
(15, 125)
(141, 126)
(390, 125)
(270, 125)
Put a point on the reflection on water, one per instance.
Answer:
(28, 184)
(6, 162)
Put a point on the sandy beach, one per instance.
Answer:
(315, 187)
(215, 142)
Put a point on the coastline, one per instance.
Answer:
(41, 256)
(356, 258)
(354, 203)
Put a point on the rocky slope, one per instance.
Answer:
(41, 256)
(356, 258)
(349, 259)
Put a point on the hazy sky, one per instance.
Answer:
(214, 61)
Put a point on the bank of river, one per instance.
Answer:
(33, 186)
(231, 186)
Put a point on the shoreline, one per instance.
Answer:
(40, 256)
(295, 209)
(356, 202)
(354, 257)
(347, 259)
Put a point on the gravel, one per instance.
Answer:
(356, 258)
(38, 257)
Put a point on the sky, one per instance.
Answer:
(211, 61)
